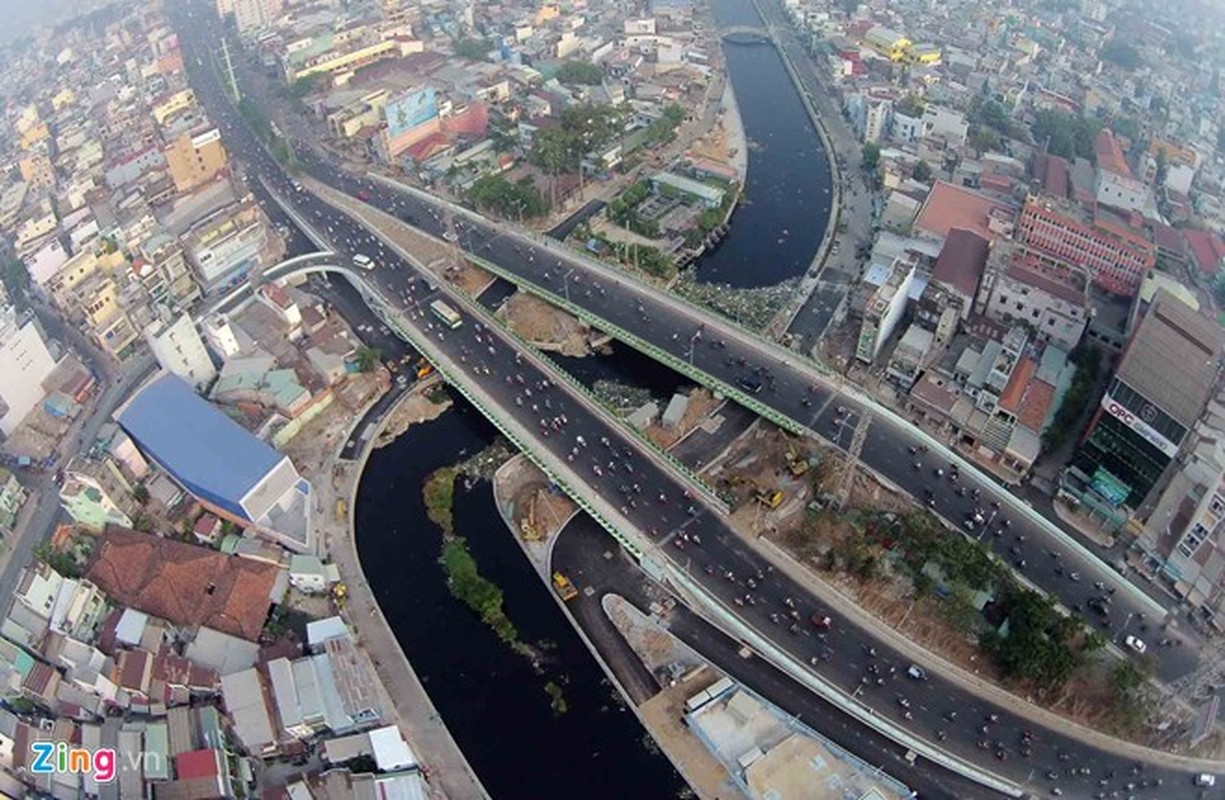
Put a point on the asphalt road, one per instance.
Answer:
(586, 554)
(650, 496)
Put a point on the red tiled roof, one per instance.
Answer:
(196, 764)
(948, 206)
(1109, 154)
(472, 122)
(1036, 405)
(1018, 382)
(1053, 175)
(422, 150)
(1168, 238)
(1206, 249)
(182, 583)
(961, 261)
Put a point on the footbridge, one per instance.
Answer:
(745, 34)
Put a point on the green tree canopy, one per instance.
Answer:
(922, 172)
(1065, 134)
(870, 155)
(473, 49)
(1122, 54)
(511, 200)
(580, 72)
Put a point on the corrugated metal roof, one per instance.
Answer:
(1172, 359)
(194, 441)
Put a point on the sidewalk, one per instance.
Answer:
(969, 682)
(446, 767)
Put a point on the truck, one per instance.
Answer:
(565, 590)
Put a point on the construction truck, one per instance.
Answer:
(565, 590)
(795, 462)
(770, 498)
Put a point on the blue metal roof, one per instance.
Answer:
(202, 448)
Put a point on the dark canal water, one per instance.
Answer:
(625, 365)
(782, 215)
(492, 700)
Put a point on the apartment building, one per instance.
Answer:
(1115, 257)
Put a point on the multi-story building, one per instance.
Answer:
(12, 497)
(329, 54)
(1157, 393)
(195, 158)
(36, 170)
(166, 255)
(251, 16)
(1024, 286)
(885, 307)
(220, 336)
(1115, 185)
(25, 362)
(1115, 257)
(226, 243)
(888, 43)
(178, 348)
(1182, 540)
(96, 494)
(95, 301)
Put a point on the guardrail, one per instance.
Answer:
(770, 349)
(802, 674)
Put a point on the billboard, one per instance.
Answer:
(1139, 424)
(410, 110)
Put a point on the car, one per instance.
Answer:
(749, 385)
(916, 672)
(363, 195)
(1205, 779)
(821, 622)
(1136, 644)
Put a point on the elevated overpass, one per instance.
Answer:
(630, 528)
(745, 34)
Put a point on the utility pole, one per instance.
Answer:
(229, 69)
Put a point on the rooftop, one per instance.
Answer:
(1109, 154)
(961, 261)
(182, 583)
(948, 207)
(196, 443)
(1172, 358)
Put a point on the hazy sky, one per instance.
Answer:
(21, 15)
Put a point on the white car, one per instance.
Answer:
(1205, 779)
(1136, 644)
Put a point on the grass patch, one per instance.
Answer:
(439, 493)
(477, 592)
(557, 700)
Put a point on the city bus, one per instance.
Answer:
(448, 315)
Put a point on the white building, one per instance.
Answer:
(221, 337)
(25, 362)
(178, 348)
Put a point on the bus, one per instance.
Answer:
(448, 315)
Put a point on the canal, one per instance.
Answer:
(492, 699)
(781, 219)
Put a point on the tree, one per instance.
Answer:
(911, 105)
(368, 358)
(1065, 134)
(140, 493)
(989, 112)
(16, 279)
(518, 200)
(473, 49)
(870, 155)
(983, 139)
(1122, 54)
(583, 73)
(922, 172)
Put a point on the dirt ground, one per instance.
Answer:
(538, 513)
(414, 408)
(469, 279)
(37, 436)
(701, 404)
(320, 437)
(546, 327)
(890, 598)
